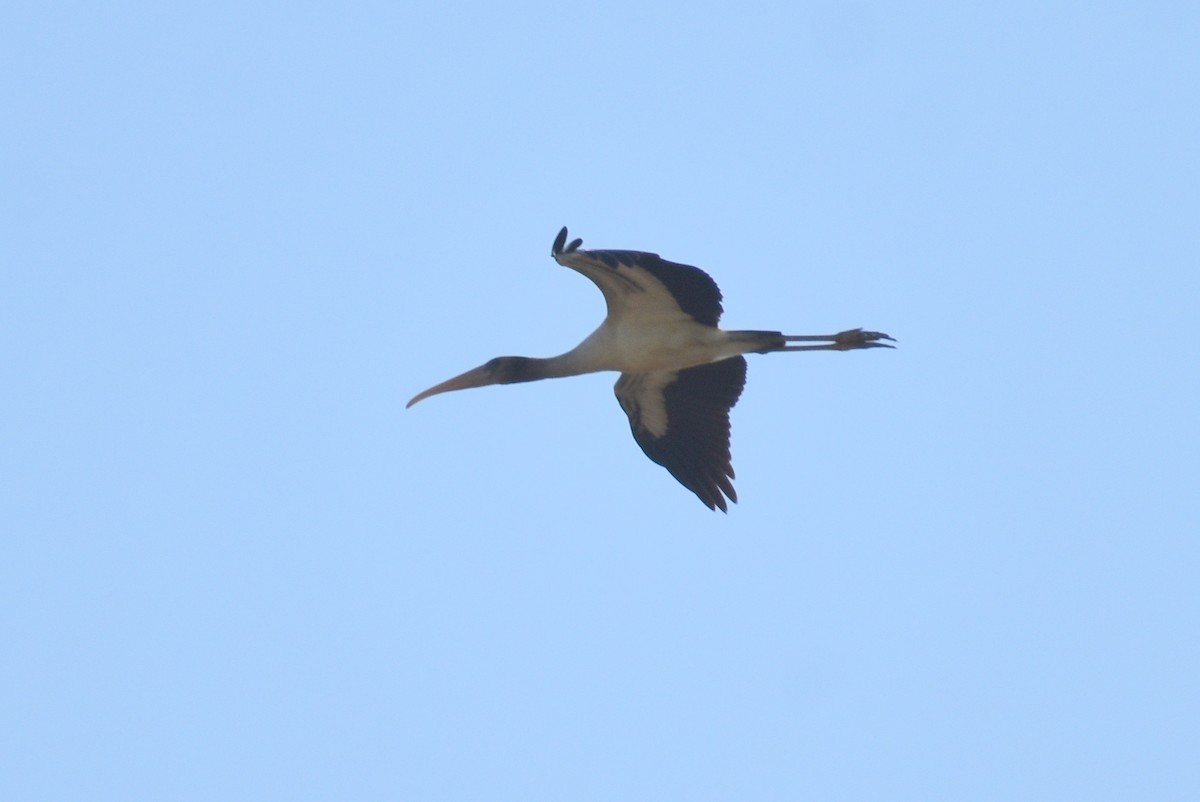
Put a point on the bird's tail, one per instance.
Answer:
(759, 342)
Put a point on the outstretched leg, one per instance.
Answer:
(842, 341)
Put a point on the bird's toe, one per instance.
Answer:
(857, 338)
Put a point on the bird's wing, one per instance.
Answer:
(643, 281)
(681, 420)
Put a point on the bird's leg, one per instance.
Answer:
(849, 340)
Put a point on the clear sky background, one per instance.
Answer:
(236, 238)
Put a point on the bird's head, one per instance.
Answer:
(501, 370)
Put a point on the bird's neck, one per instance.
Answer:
(518, 369)
(583, 358)
(556, 367)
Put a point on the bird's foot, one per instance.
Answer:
(857, 338)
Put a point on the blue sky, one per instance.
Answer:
(237, 238)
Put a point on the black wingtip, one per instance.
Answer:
(558, 249)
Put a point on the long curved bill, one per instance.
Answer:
(476, 377)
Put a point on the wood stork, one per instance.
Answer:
(680, 373)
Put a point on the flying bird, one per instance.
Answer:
(680, 373)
